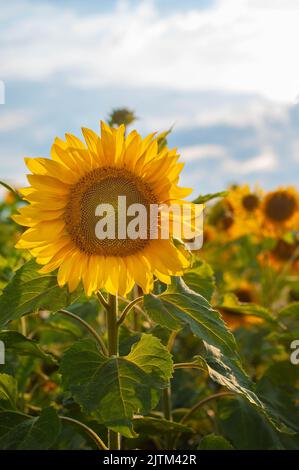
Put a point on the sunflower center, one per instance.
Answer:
(250, 202)
(101, 187)
(283, 251)
(280, 206)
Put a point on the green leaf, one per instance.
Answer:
(248, 429)
(214, 442)
(30, 291)
(179, 306)
(8, 392)
(200, 279)
(113, 389)
(202, 199)
(229, 373)
(21, 432)
(231, 304)
(277, 388)
(159, 426)
(15, 341)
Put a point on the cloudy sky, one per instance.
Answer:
(225, 73)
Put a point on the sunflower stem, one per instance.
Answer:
(167, 413)
(112, 330)
(128, 308)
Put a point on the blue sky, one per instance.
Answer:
(224, 72)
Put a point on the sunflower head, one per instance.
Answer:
(105, 171)
(281, 211)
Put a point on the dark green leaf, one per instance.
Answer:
(20, 432)
(179, 306)
(245, 427)
(29, 291)
(113, 389)
(200, 279)
(15, 341)
(277, 388)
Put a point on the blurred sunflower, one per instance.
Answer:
(221, 220)
(280, 211)
(235, 320)
(63, 197)
(246, 206)
(284, 252)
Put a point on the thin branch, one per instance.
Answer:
(127, 301)
(171, 340)
(197, 406)
(128, 308)
(102, 300)
(100, 444)
(88, 327)
(203, 402)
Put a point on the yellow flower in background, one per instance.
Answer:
(65, 192)
(246, 205)
(280, 211)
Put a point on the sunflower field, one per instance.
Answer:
(145, 344)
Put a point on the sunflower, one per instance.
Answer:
(280, 211)
(221, 219)
(284, 254)
(245, 205)
(63, 196)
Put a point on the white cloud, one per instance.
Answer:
(264, 163)
(235, 46)
(14, 119)
(202, 152)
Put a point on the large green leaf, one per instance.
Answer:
(113, 389)
(179, 306)
(229, 373)
(30, 291)
(8, 392)
(248, 429)
(278, 389)
(15, 341)
(21, 432)
(200, 279)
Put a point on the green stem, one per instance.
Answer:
(196, 407)
(167, 413)
(9, 188)
(100, 444)
(88, 327)
(128, 308)
(112, 328)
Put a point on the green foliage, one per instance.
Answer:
(179, 306)
(21, 432)
(23, 346)
(30, 291)
(113, 389)
(8, 392)
(214, 442)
